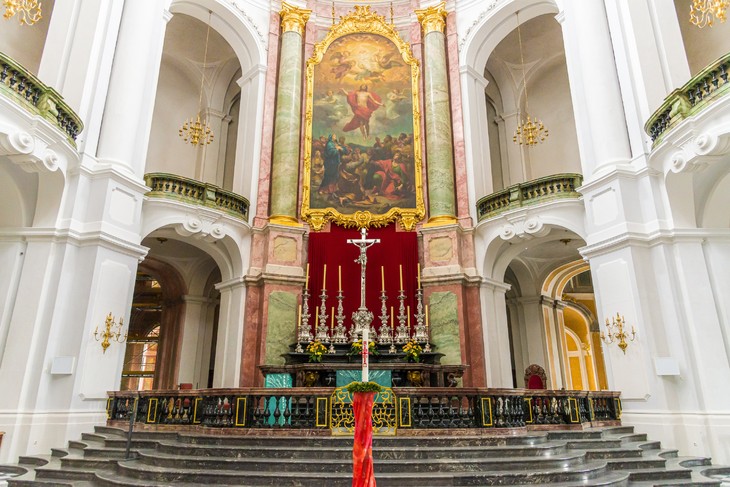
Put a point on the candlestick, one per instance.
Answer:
(418, 274)
(339, 278)
(382, 279)
(306, 278)
(392, 333)
(400, 273)
(365, 353)
(324, 277)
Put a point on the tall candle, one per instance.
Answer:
(382, 278)
(391, 317)
(419, 275)
(400, 273)
(409, 318)
(333, 318)
(299, 318)
(316, 321)
(427, 317)
(324, 277)
(306, 278)
(339, 278)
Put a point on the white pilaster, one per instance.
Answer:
(230, 334)
(496, 333)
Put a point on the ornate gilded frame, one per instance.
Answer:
(363, 20)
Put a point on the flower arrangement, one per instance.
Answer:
(413, 351)
(353, 387)
(316, 350)
(356, 348)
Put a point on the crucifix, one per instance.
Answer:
(362, 317)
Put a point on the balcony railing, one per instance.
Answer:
(698, 93)
(192, 191)
(529, 193)
(317, 408)
(26, 90)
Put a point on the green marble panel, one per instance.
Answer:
(273, 381)
(280, 326)
(382, 377)
(437, 111)
(445, 326)
(287, 124)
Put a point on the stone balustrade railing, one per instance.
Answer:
(189, 190)
(415, 408)
(20, 85)
(529, 193)
(698, 93)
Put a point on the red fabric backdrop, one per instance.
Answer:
(331, 248)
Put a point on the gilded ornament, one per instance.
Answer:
(433, 19)
(293, 19)
(362, 20)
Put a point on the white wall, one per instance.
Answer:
(24, 43)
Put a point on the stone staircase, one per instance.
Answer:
(608, 456)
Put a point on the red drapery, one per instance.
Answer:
(362, 448)
(331, 248)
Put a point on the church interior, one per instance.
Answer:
(213, 208)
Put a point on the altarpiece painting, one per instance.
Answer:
(362, 154)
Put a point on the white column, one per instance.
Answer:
(229, 343)
(594, 87)
(496, 333)
(77, 59)
(476, 136)
(193, 332)
(130, 101)
(650, 57)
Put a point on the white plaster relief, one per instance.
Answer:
(698, 152)
(202, 227)
(24, 150)
(476, 22)
(524, 228)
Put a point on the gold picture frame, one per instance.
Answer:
(363, 21)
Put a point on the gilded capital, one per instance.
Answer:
(433, 19)
(293, 18)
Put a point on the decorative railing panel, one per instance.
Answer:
(329, 409)
(698, 93)
(529, 193)
(189, 190)
(19, 84)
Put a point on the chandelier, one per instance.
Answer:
(196, 131)
(29, 11)
(703, 12)
(530, 130)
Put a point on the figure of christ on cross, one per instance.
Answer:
(362, 316)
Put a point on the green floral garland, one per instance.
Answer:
(353, 387)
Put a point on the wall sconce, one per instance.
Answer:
(616, 332)
(112, 331)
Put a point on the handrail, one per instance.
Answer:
(699, 92)
(165, 185)
(19, 84)
(418, 408)
(529, 193)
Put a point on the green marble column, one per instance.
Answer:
(287, 121)
(437, 110)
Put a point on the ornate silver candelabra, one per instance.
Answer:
(386, 334)
(401, 332)
(322, 331)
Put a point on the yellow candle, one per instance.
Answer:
(333, 318)
(427, 317)
(299, 319)
(382, 278)
(409, 319)
(324, 277)
(419, 275)
(306, 278)
(339, 278)
(316, 321)
(400, 273)
(391, 317)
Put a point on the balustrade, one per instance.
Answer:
(529, 193)
(189, 190)
(19, 84)
(699, 92)
(318, 408)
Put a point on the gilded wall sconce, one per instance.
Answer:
(616, 332)
(112, 332)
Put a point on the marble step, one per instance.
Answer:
(379, 452)
(337, 465)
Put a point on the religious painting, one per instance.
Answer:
(362, 158)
